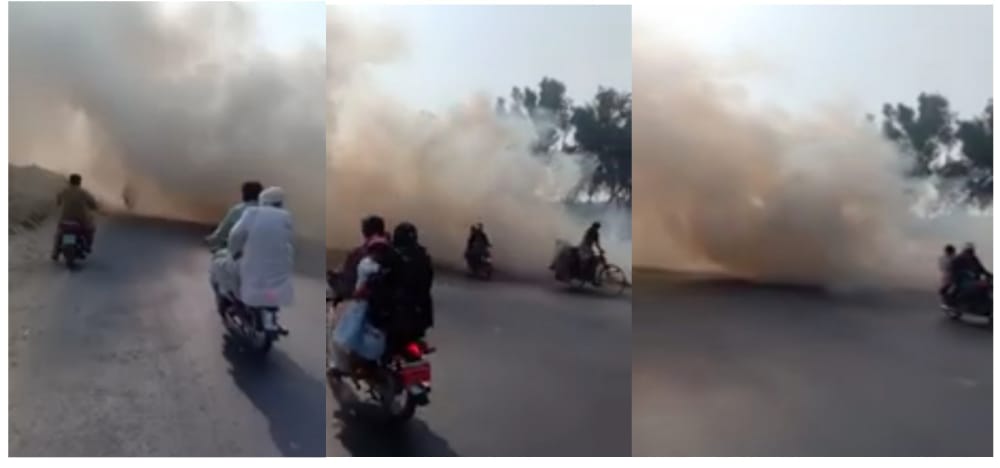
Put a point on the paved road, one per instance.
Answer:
(520, 370)
(733, 370)
(126, 356)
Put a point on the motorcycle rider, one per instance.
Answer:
(944, 266)
(588, 256)
(224, 271)
(76, 206)
(408, 314)
(372, 233)
(261, 244)
(966, 269)
(250, 192)
(361, 263)
(477, 245)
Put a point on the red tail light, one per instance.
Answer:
(414, 351)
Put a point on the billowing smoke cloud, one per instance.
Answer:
(724, 185)
(180, 105)
(441, 172)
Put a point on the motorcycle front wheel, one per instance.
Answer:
(612, 279)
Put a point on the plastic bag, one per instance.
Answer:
(347, 332)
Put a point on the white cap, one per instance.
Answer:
(272, 196)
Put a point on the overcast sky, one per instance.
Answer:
(457, 51)
(862, 55)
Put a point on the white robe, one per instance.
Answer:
(263, 236)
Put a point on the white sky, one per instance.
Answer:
(454, 52)
(862, 55)
(289, 25)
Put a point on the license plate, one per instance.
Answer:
(416, 373)
(68, 239)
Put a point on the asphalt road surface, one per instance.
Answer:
(126, 356)
(520, 370)
(723, 369)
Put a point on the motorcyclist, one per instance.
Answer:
(224, 271)
(361, 265)
(966, 269)
(250, 193)
(261, 243)
(477, 245)
(407, 317)
(590, 248)
(372, 232)
(76, 205)
(944, 266)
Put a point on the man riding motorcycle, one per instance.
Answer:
(944, 266)
(224, 271)
(250, 191)
(261, 248)
(590, 248)
(478, 244)
(966, 270)
(76, 205)
(392, 286)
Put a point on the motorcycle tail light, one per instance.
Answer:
(414, 351)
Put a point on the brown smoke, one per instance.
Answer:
(181, 108)
(724, 185)
(441, 172)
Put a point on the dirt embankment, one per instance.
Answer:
(32, 196)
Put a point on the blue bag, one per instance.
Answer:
(347, 333)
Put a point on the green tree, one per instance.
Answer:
(956, 154)
(600, 128)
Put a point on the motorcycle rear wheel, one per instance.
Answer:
(397, 403)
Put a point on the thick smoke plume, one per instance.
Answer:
(727, 186)
(441, 172)
(179, 106)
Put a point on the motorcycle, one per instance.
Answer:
(255, 327)
(398, 383)
(977, 301)
(567, 268)
(480, 264)
(72, 243)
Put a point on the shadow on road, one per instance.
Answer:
(291, 399)
(363, 433)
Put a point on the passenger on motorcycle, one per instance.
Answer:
(407, 310)
(477, 244)
(76, 205)
(966, 270)
(260, 245)
(590, 248)
(944, 266)
(391, 295)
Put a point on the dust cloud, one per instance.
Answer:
(443, 172)
(726, 185)
(179, 104)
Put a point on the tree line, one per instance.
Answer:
(955, 154)
(600, 128)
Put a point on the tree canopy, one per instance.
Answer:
(954, 153)
(600, 128)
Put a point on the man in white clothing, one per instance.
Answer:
(260, 250)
